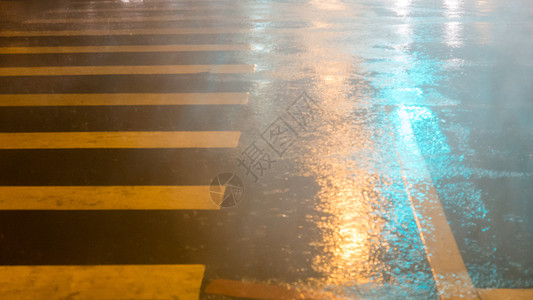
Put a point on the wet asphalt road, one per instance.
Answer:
(353, 106)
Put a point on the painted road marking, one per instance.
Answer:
(101, 282)
(135, 4)
(449, 271)
(146, 9)
(107, 198)
(126, 70)
(100, 49)
(166, 18)
(257, 290)
(123, 99)
(125, 4)
(139, 31)
(122, 9)
(500, 294)
(124, 139)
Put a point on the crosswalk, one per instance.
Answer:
(29, 92)
(111, 32)
(108, 49)
(125, 70)
(101, 282)
(106, 197)
(128, 140)
(124, 99)
(165, 18)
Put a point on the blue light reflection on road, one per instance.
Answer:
(408, 83)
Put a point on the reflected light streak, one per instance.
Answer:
(350, 230)
(328, 4)
(453, 31)
(484, 6)
(453, 34)
(346, 231)
(453, 8)
(402, 7)
(405, 31)
(345, 155)
(321, 24)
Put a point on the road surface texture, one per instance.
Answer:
(217, 149)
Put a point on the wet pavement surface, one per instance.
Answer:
(384, 148)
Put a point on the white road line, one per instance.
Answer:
(259, 290)
(505, 294)
(449, 271)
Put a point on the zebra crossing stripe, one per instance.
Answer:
(101, 282)
(120, 139)
(108, 198)
(125, 70)
(123, 99)
(139, 31)
(133, 48)
(128, 19)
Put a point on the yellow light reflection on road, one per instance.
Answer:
(350, 232)
(328, 4)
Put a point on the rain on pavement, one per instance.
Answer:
(216, 149)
